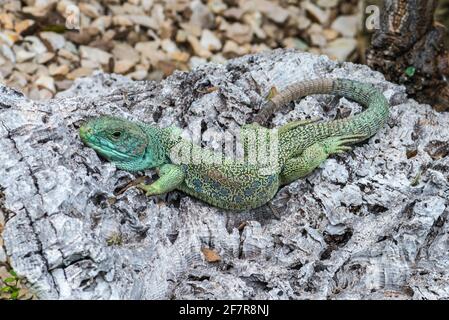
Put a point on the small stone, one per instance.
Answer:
(322, 16)
(254, 20)
(234, 13)
(82, 37)
(209, 41)
(66, 54)
(5, 69)
(45, 94)
(201, 16)
(122, 20)
(7, 53)
(147, 4)
(191, 29)
(102, 23)
(56, 70)
(7, 20)
(330, 34)
(181, 36)
(9, 37)
(35, 45)
(37, 11)
(197, 48)
(138, 75)
(26, 67)
(272, 10)
(55, 40)
(218, 58)
(45, 57)
(123, 51)
(123, 66)
(217, 6)
(179, 56)
(95, 54)
(346, 25)
(46, 82)
(78, 73)
(89, 10)
(318, 39)
(240, 33)
(144, 21)
(303, 23)
(295, 43)
(327, 3)
(169, 46)
(232, 49)
(22, 55)
(63, 84)
(341, 48)
(25, 26)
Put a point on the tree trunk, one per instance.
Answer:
(409, 49)
(369, 224)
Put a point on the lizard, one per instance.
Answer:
(230, 183)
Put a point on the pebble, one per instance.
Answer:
(346, 25)
(138, 75)
(9, 37)
(327, 3)
(197, 48)
(95, 55)
(79, 72)
(55, 40)
(240, 33)
(209, 41)
(46, 82)
(341, 48)
(123, 66)
(7, 53)
(60, 70)
(89, 10)
(322, 16)
(22, 55)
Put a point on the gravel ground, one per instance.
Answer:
(46, 44)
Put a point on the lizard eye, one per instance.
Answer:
(116, 134)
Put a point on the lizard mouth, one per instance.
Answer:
(102, 147)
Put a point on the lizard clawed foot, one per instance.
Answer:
(336, 145)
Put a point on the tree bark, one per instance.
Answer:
(409, 49)
(368, 224)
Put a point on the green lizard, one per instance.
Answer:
(236, 184)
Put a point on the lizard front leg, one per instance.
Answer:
(314, 155)
(170, 177)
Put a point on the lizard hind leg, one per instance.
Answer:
(314, 155)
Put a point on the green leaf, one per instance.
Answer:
(410, 71)
(10, 279)
(13, 273)
(6, 289)
(14, 295)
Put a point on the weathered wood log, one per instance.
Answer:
(368, 224)
(409, 49)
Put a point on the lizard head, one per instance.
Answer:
(120, 141)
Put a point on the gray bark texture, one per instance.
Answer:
(368, 224)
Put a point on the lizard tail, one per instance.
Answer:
(366, 123)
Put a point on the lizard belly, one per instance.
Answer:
(233, 187)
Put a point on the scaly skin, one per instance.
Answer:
(236, 184)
